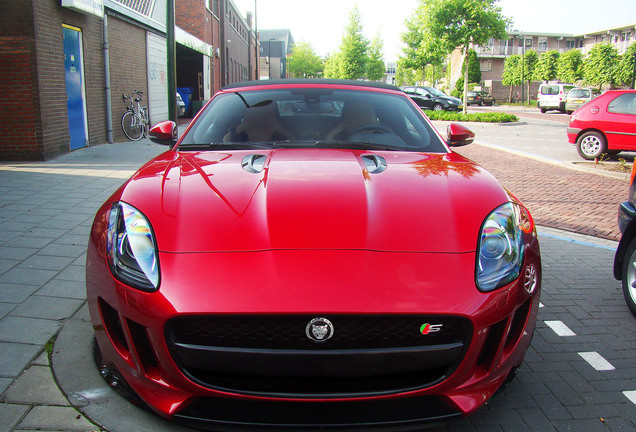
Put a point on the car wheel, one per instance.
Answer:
(591, 145)
(480, 103)
(543, 110)
(569, 112)
(629, 277)
(438, 107)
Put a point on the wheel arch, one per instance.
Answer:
(628, 236)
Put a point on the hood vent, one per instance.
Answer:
(375, 164)
(253, 163)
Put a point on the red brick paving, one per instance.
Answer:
(557, 197)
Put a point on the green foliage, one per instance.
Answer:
(512, 71)
(626, 65)
(474, 71)
(484, 117)
(304, 62)
(421, 48)
(353, 49)
(462, 23)
(405, 75)
(570, 66)
(600, 66)
(375, 61)
(546, 68)
(332, 66)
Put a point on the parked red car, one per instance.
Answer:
(606, 124)
(311, 254)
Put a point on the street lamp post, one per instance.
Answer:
(269, 57)
(523, 65)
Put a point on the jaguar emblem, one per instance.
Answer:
(319, 329)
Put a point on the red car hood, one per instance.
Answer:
(314, 199)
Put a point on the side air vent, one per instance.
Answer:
(375, 164)
(253, 163)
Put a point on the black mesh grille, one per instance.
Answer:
(221, 351)
(288, 332)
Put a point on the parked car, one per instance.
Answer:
(480, 98)
(625, 258)
(579, 96)
(605, 125)
(311, 253)
(181, 109)
(429, 98)
(553, 96)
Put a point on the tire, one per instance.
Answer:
(438, 107)
(543, 110)
(569, 112)
(480, 103)
(132, 126)
(629, 276)
(591, 145)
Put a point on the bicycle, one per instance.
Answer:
(134, 122)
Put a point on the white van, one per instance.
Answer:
(553, 96)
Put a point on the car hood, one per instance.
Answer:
(314, 199)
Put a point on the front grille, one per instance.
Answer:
(273, 356)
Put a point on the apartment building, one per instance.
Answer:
(493, 55)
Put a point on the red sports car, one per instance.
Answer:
(309, 254)
(606, 124)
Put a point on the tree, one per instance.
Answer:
(600, 66)
(474, 70)
(512, 73)
(462, 24)
(570, 66)
(353, 48)
(626, 65)
(375, 61)
(530, 60)
(405, 75)
(333, 66)
(421, 48)
(546, 69)
(303, 62)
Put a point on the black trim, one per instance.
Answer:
(236, 414)
(296, 81)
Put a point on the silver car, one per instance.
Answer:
(579, 96)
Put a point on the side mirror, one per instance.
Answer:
(458, 135)
(164, 133)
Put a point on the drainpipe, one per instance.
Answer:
(109, 113)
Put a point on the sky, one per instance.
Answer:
(323, 23)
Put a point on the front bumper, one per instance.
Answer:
(179, 379)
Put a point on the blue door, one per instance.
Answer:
(74, 94)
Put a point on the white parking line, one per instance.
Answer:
(560, 329)
(631, 395)
(597, 361)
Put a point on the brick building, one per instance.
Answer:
(63, 61)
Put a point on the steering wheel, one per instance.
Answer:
(373, 127)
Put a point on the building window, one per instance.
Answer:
(570, 44)
(543, 44)
(485, 65)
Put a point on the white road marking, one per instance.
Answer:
(560, 329)
(597, 361)
(631, 395)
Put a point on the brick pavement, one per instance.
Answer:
(557, 197)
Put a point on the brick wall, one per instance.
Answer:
(128, 68)
(18, 107)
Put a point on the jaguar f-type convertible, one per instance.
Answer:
(312, 254)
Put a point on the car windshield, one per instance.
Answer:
(436, 92)
(311, 118)
(579, 93)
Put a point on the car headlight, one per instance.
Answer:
(131, 248)
(501, 246)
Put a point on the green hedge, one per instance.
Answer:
(484, 117)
